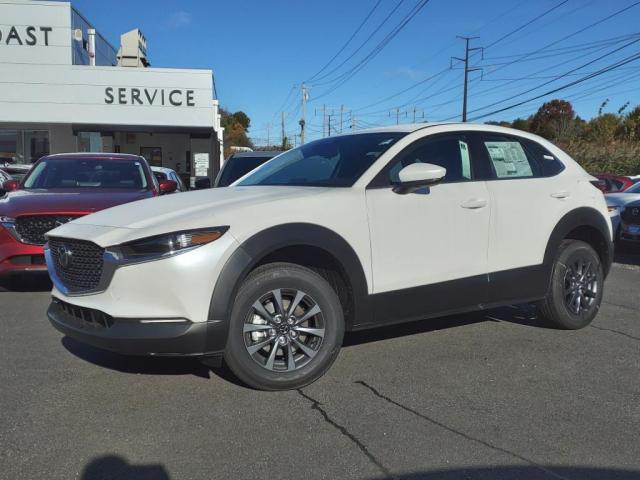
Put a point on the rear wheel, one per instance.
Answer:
(286, 328)
(575, 292)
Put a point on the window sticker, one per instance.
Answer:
(464, 157)
(509, 159)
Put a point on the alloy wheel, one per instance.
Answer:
(284, 330)
(580, 285)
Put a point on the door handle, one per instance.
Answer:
(561, 195)
(474, 203)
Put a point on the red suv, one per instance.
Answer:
(60, 188)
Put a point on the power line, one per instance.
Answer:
(559, 76)
(347, 42)
(342, 79)
(375, 30)
(546, 12)
(563, 87)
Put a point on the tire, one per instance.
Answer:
(575, 292)
(308, 333)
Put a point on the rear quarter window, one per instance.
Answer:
(550, 165)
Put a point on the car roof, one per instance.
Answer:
(162, 169)
(413, 127)
(95, 156)
(266, 154)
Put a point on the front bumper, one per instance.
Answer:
(629, 233)
(162, 337)
(17, 257)
(144, 300)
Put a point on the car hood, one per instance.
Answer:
(198, 209)
(621, 199)
(34, 202)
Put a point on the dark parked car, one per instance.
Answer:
(239, 164)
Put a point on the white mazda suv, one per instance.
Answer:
(344, 233)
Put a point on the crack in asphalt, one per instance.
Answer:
(316, 405)
(620, 305)
(615, 331)
(457, 432)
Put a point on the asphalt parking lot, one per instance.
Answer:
(486, 395)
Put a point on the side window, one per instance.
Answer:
(509, 158)
(451, 152)
(549, 164)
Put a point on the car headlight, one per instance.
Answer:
(165, 245)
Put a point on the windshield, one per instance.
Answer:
(330, 162)
(237, 167)
(79, 173)
(635, 188)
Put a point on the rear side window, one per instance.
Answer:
(549, 163)
(514, 157)
(509, 159)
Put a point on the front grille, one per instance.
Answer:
(85, 316)
(77, 263)
(31, 229)
(631, 214)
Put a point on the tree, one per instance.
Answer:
(554, 120)
(603, 128)
(242, 119)
(631, 125)
(235, 129)
(523, 124)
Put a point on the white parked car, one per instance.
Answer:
(345, 233)
(164, 173)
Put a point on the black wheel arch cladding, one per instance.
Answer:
(251, 252)
(583, 222)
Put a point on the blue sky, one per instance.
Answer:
(259, 49)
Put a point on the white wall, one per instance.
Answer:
(35, 45)
(104, 95)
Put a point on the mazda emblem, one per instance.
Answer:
(635, 212)
(65, 256)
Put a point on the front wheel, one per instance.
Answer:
(286, 328)
(575, 292)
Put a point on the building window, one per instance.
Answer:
(36, 144)
(23, 146)
(89, 142)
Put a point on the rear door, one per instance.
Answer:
(528, 198)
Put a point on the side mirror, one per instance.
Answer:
(10, 185)
(167, 186)
(418, 175)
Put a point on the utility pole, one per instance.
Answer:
(397, 112)
(354, 125)
(305, 97)
(466, 71)
(415, 111)
(329, 125)
(268, 128)
(341, 113)
(282, 128)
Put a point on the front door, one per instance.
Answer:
(429, 248)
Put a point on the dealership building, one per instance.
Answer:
(65, 88)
